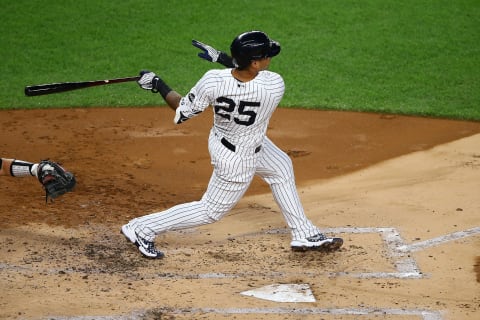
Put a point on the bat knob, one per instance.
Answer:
(27, 91)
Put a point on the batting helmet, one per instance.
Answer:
(252, 45)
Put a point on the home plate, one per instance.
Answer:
(283, 293)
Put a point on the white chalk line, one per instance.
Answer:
(397, 250)
(406, 266)
(426, 314)
(423, 313)
(439, 240)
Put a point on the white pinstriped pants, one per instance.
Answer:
(233, 172)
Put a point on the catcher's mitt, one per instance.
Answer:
(55, 180)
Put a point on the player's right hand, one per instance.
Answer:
(145, 82)
(208, 53)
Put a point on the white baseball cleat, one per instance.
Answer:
(317, 242)
(147, 248)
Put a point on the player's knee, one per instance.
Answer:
(215, 209)
(216, 213)
(284, 163)
(214, 218)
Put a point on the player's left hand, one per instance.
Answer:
(145, 82)
(208, 53)
(55, 180)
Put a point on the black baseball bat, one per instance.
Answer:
(41, 89)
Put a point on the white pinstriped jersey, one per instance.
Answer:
(242, 109)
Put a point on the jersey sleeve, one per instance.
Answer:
(197, 99)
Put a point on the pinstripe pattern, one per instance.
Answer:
(242, 113)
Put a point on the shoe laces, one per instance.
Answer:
(317, 237)
(149, 245)
(151, 248)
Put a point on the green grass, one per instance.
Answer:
(403, 57)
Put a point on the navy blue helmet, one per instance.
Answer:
(252, 45)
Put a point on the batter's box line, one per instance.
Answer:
(405, 265)
(397, 249)
(424, 314)
(417, 246)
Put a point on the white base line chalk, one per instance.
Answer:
(439, 240)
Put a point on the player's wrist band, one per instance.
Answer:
(158, 85)
(19, 168)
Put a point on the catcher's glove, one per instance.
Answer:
(55, 180)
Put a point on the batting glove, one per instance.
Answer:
(208, 53)
(145, 82)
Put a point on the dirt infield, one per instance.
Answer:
(403, 192)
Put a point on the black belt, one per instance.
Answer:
(232, 147)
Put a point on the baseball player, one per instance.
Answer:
(55, 180)
(244, 98)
